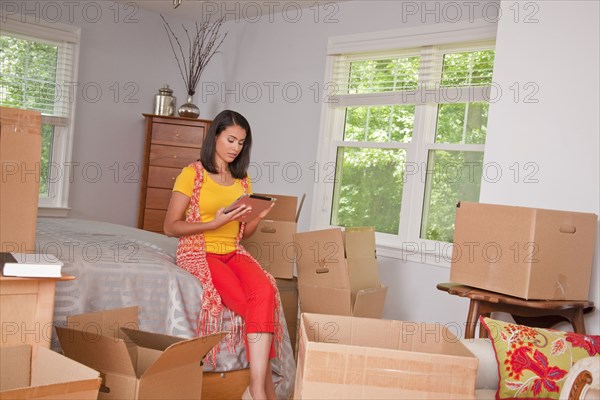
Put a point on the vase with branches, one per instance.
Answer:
(193, 55)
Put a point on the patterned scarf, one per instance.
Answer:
(191, 256)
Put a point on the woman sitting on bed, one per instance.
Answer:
(209, 245)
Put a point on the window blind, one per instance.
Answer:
(36, 74)
(414, 76)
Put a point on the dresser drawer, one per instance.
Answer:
(154, 220)
(178, 135)
(173, 156)
(162, 177)
(158, 199)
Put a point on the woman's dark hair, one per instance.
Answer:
(224, 120)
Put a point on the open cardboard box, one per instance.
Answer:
(20, 158)
(338, 272)
(524, 252)
(342, 357)
(136, 364)
(47, 375)
(272, 243)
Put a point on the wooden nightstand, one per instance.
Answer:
(27, 310)
(171, 144)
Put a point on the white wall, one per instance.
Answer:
(558, 134)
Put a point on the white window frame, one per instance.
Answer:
(57, 202)
(407, 245)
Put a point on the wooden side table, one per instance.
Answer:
(27, 310)
(537, 313)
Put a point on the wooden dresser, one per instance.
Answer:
(171, 144)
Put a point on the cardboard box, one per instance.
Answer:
(20, 158)
(48, 375)
(338, 272)
(288, 292)
(343, 357)
(524, 252)
(272, 243)
(136, 364)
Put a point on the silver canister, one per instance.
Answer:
(164, 102)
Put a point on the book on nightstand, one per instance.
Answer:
(30, 265)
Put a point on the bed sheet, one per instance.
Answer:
(118, 266)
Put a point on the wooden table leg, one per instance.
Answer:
(472, 317)
(578, 322)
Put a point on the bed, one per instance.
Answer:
(118, 266)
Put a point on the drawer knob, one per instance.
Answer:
(172, 178)
(177, 135)
(174, 156)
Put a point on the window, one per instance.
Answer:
(405, 133)
(37, 69)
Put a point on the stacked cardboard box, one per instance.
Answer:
(136, 364)
(524, 252)
(28, 369)
(273, 247)
(342, 357)
(47, 375)
(20, 157)
(338, 272)
(272, 242)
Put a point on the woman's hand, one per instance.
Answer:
(265, 212)
(222, 218)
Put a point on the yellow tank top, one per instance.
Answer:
(213, 196)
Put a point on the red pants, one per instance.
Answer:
(246, 290)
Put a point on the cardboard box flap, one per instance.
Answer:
(284, 208)
(106, 323)
(184, 353)
(49, 376)
(17, 359)
(104, 353)
(149, 340)
(75, 390)
(359, 242)
(21, 120)
(20, 155)
(320, 258)
(369, 302)
(325, 300)
(61, 367)
(363, 274)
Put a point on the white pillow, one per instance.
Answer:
(487, 371)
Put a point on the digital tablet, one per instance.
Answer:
(258, 204)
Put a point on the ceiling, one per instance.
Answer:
(248, 10)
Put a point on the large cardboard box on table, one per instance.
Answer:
(136, 364)
(524, 252)
(342, 357)
(338, 272)
(47, 375)
(272, 242)
(20, 158)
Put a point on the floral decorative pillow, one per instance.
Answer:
(534, 362)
